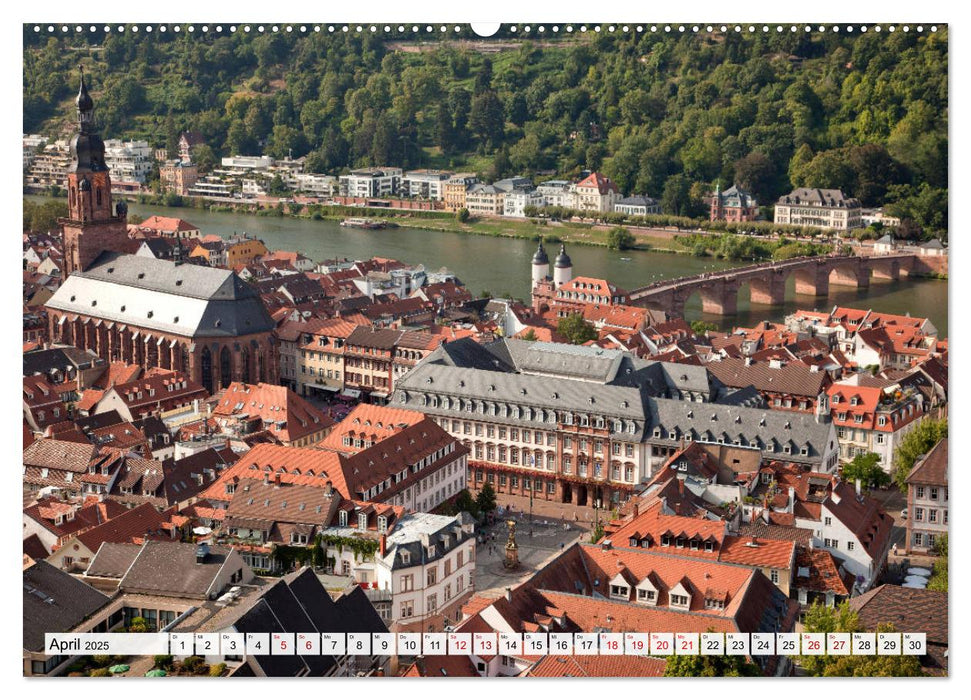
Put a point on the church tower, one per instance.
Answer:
(92, 225)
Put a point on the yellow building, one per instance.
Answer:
(244, 251)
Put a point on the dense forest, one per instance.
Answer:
(666, 115)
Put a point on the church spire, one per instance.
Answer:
(85, 105)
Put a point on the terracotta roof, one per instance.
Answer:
(598, 181)
(754, 551)
(823, 574)
(369, 422)
(59, 454)
(597, 667)
(117, 373)
(133, 525)
(436, 666)
(932, 468)
(284, 414)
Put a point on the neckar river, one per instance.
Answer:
(501, 265)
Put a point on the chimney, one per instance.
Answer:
(792, 499)
(266, 478)
(606, 545)
(329, 489)
(859, 486)
(636, 508)
(276, 479)
(748, 361)
(383, 544)
(509, 594)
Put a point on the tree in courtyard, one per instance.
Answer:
(465, 503)
(575, 329)
(915, 444)
(866, 467)
(529, 335)
(486, 499)
(702, 327)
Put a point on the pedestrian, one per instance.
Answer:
(895, 549)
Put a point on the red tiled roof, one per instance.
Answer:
(597, 667)
(369, 422)
(285, 415)
(598, 181)
(131, 526)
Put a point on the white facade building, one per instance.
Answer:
(425, 184)
(372, 182)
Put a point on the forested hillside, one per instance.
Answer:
(662, 114)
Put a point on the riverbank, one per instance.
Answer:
(575, 233)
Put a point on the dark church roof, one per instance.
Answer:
(188, 300)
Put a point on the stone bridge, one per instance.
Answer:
(767, 281)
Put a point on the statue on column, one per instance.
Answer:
(512, 549)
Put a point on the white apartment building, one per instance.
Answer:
(312, 183)
(244, 163)
(129, 161)
(371, 182)
(831, 209)
(515, 202)
(31, 143)
(556, 193)
(425, 184)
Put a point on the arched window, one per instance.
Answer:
(225, 367)
(98, 192)
(260, 367)
(244, 359)
(206, 369)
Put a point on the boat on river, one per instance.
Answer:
(370, 224)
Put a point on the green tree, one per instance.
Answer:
(914, 445)
(619, 238)
(938, 580)
(597, 533)
(575, 329)
(529, 335)
(820, 618)
(486, 500)
(866, 467)
(710, 667)
(463, 215)
(465, 503)
(702, 327)
(487, 119)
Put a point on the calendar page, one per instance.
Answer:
(527, 349)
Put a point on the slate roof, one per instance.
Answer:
(170, 568)
(187, 300)
(44, 361)
(818, 197)
(113, 559)
(298, 602)
(54, 601)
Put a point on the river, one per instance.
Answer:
(501, 265)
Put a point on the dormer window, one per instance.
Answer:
(645, 595)
(382, 523)
(342, 518)
(362, 521)
(709, 546)
(665, 540)
(679, 601)
(405, 557)
(620, 592)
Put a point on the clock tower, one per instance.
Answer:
(92, 225)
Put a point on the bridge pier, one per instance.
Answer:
(851, 276)
(813, 282)
(720, 297)
(769, 290)
(885, 271)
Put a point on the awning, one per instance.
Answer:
(351, 393)
(379, 395)
(323, 387)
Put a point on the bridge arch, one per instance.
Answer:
(849, 273)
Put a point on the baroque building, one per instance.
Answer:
(202, 321)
